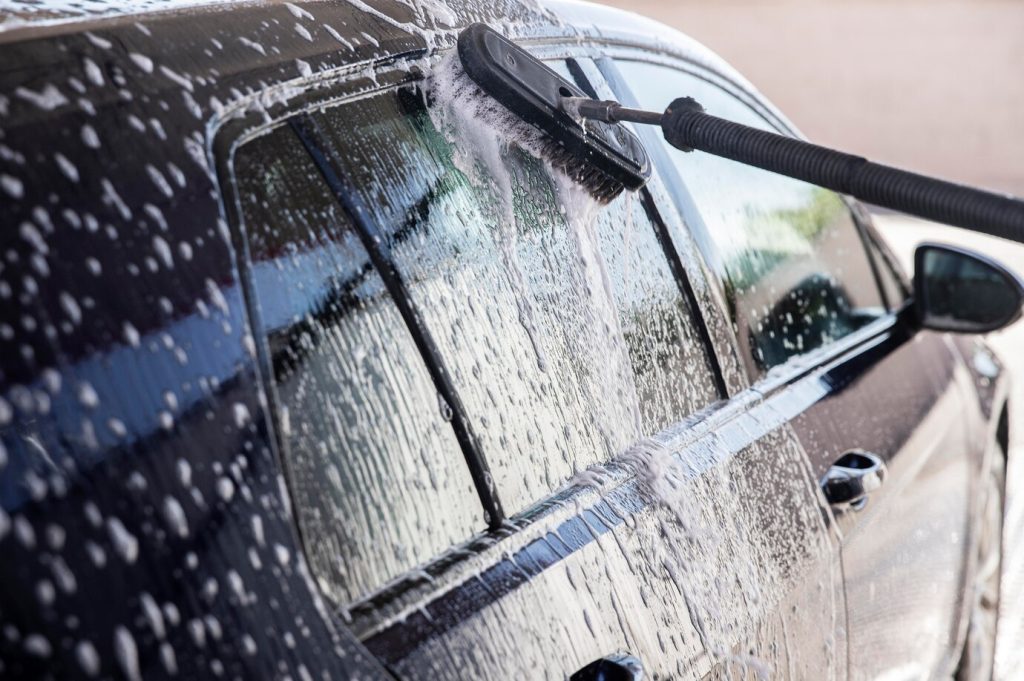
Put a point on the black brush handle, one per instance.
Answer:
(687, 127)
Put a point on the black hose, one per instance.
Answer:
(687, 127)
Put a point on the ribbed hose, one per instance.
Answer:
(686, 127)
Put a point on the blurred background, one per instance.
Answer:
(935, 86)
(932, 85)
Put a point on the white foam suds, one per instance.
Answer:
(48, 98)
(174, 514)
(484, 131)
(88, 658)
(125, 543)
(127, 653)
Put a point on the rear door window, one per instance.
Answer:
(379, 481)
(565, 332)
(788, 255)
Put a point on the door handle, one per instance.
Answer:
(618, 667)
(852, 478)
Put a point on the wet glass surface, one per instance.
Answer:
(788, 255)
(565, 334)
(379, 480)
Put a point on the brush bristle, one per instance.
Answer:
(599, 184)
(452, 87)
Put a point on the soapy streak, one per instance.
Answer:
(473, 120)
(482, 132)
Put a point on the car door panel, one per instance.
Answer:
(681, 560)
(501, 603)
(904, 553)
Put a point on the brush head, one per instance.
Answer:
(603, 157)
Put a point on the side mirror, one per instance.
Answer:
(959, 290)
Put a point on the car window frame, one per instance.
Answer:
(798, 366)
(886, 260)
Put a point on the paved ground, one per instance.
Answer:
(904, 233)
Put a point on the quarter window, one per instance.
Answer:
(379, 481)
(788, 255)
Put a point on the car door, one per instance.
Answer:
(436, 308)
(802, 292)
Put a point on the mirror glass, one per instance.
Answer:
(962, 291)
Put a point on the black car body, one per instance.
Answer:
(223, 450)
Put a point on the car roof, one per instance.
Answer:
(26, 19)
(31, 17)
(273, 30)
(20, 14)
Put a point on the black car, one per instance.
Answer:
(312, 369)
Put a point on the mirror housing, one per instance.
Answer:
(962, 291)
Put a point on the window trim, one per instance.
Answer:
(869, 250)
(880, 250)
(682, 280)
(669, 247)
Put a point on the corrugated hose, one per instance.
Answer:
(687, 127)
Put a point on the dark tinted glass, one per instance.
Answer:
(565, 333)
(379, 481)
(788, 255)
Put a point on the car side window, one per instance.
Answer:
(564, 331)
(788, 255)
(379, 482)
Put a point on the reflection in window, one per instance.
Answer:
(962, 292)
(379, 481)
(565, 333)
(788, 255)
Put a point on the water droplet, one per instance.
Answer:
(127, 653)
